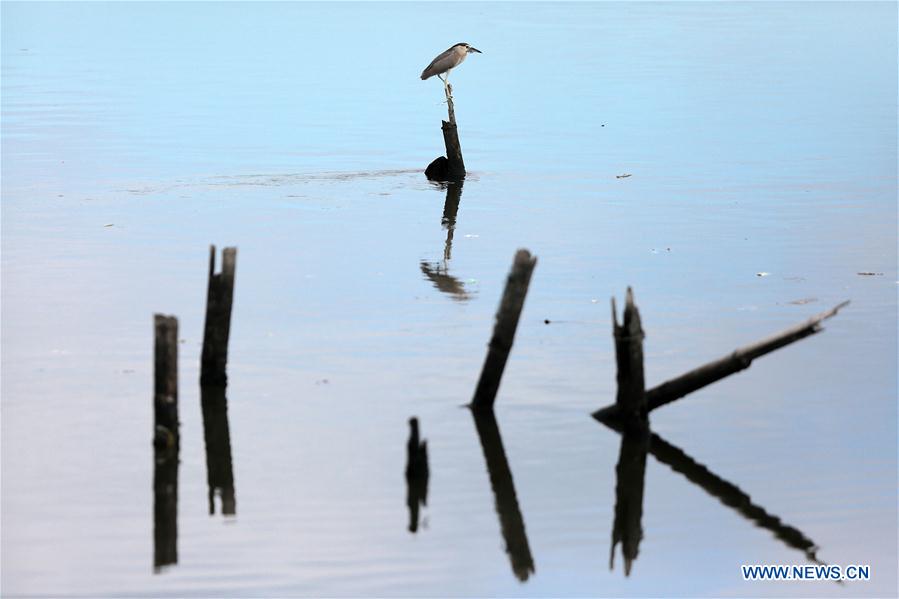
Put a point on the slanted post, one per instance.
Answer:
(218, 319)
(504, 330)
(631, 398)
(165, 382)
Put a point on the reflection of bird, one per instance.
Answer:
(447, 61)
(417, 453)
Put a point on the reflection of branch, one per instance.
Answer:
(510, 519)
(629, 473)
(730, 495)
(219, 473)
(726, 492)
(443, 281)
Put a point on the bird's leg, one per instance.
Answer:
(447, 88)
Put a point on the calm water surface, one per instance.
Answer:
(759, 138)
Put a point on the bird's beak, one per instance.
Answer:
(473, 49)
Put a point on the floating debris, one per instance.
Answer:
(870, 274)
(805, 300)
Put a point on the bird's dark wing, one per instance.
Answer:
(441, 64)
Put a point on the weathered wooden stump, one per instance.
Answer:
(504, 330)
(165, 382)
(219, 297)
(631, 397)
(451, 167)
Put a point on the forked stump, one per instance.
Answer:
(631, 398)
(504, 330)
(219, 298)
(165, 382)
(696, 379)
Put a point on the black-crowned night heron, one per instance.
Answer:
(447, 61)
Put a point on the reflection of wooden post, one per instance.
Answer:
(218, 319)
(504, 330)
(630, 475)
(451, 168)
(165, 508)
(450, 209)
(165, 381)
(416, 473)
(217, 437)
(631, 398)
(510, 520)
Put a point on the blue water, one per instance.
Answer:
(760, 138)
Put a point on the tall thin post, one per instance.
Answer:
(219, 298)
(165, 441)
(504, 330)
(451, 167)
(631, 398)
(165, 381)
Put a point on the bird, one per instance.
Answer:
(447, 61)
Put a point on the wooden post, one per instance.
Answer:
(451, 168)
(218, 319)
(504, 330)
(165, 382)
(631, 398)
